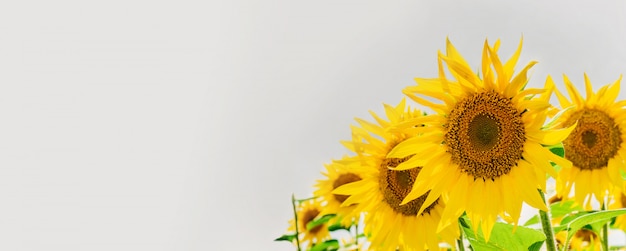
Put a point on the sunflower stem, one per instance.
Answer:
(605, 231)
(459, 241)
(546, 224)
(356, 236)
(295, 217)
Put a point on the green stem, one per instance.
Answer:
(605, 232)
(295, 217)
(546, 224)
(459, 241)
(356, 237)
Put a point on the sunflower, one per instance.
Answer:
(338, 173)
(484, 146)
(309, 211)
(597, 146)
(583, 240)
(388, 224)
(618, 202)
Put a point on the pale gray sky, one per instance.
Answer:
(187, 125)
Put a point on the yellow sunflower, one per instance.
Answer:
(309, 211)
(388, 224)
(583, 240)
(484, 146)
(338, 173)
(618, 202)
(596, 147)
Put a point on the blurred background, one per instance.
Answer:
(188, 125)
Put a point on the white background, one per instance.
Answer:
(151, 125)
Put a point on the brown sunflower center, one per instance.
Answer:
(594, 141)
(623, 200)
(586, 235)
(342, 180)
(396, 185)
(309, 216)
(485, 135)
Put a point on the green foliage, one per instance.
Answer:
(503, 237)
(338, 226)
(593, 219)
(329, 245)
(319, 221)
(286, 237)
(557, 210)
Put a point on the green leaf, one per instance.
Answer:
(557, 149)
(601, 217)
(563, 208)
(303, 200)
(557, 210)
(503, 238)
(329, 245)
(286, 237)
(337, 226)
(536, 246)
(319, 221)
(532, 221)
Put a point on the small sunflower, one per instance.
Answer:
(308, 211)
(597, 146)
(484, 146)
(618, 202)
(338, 173)
(583, 240)
(381, 190)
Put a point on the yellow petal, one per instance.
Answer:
(573, 93)
(509, 66)
(552, 137)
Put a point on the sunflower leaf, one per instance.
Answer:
(503, 238)
(601, 217)
(319, 221)
(329, 245)
(559, 210)
(532, 221)
(338, 226)
(286, 237)
(536, 246)
(562, 208)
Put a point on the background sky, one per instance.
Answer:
(153, 125)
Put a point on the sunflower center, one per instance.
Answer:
(589, 138)
(485, 135)
(342, 180)
(586, 235)
(594, 141)
(309, 216)
(483, 132)
(396, 185)
(623, 200)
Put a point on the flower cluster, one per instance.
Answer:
(482, 145)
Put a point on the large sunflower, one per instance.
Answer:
(338, 173)
(309, 211)
(597, 147)
(484, 146)
(379, 193)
